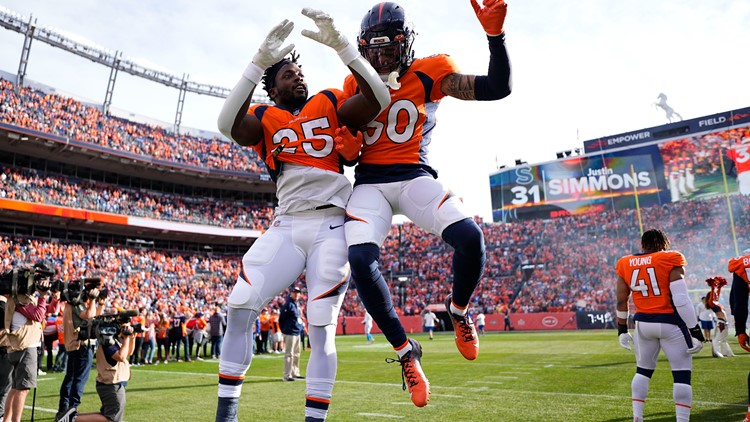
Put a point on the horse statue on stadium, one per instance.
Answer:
(662, 104)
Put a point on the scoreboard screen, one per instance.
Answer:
(577, 185)
(686, 160)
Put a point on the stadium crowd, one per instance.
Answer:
(34, 109)
(574, 258)
(32, 186)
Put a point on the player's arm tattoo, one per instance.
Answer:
(459, 86)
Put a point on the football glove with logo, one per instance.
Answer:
(624, 337)
(347, 144)
(329, 35)
(491, 16)
(270, 50)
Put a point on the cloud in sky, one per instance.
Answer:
(581, 69)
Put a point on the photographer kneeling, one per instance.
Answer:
(80, 310)
(23, 317)
(112, 367)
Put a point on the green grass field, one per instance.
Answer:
(560, 376)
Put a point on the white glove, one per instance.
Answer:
(328, 34)
(269, 52)
(626, 341)
(697, 346)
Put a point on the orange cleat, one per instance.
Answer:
(412, 375)
(464, 332)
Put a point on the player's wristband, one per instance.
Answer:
(622, 314)
(348, 53)
(253, 73)
(622, 329)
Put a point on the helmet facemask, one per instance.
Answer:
(385, 39)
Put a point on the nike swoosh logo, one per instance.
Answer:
(335, 227)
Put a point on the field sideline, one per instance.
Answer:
(519, 376)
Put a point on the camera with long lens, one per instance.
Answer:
(76, 291)
(26, 280)
(105, 328)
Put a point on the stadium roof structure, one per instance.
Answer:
(109, 58)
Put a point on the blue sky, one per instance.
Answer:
(581, 69)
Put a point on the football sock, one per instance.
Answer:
(373, 291)
(226, 411)
(321, 372)
(401, 352)
(458, 311)
(469, 257)
(639, 388)
(237, 351)
(683, 399)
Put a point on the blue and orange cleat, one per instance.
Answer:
(464, 333)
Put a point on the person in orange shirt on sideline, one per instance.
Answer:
(276, 336)
(162, 338)
(265, 328)
(655, 279)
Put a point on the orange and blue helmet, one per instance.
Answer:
(386, 37)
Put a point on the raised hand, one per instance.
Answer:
(347, 144)
(491, 16)
(271, 51)
(328, 34)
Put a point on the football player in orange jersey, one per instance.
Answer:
(393, 175)
(655, 279)
(297, 139)
(738, 298)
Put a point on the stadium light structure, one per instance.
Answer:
(113, 60)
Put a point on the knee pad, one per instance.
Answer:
(325, 310)
(465, 236)
(363, 259)
(245, 296)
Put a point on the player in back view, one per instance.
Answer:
(740, 269)
(655, 279)
(393, 175)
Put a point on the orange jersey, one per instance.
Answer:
(400, 135)
(306, 137)
(265, 322)
(741, 267)
(740, 154)
(648, 278)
